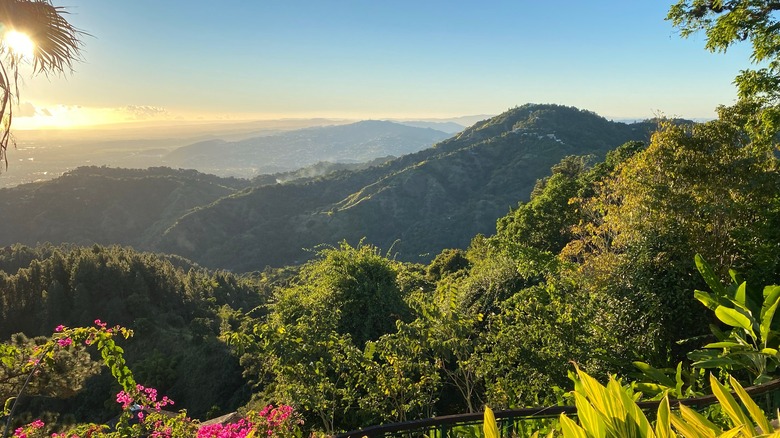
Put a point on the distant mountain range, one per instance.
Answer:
(418, 204)
(288, 151)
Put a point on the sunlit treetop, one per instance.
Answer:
(37, 32)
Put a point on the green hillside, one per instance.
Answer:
(107, 206)
(419, 204)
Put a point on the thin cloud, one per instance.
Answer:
(143, 112)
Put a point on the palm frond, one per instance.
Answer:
(57, 47)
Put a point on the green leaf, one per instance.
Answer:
(709, 275)
(663, 427)
(589, 418)
(771, 301)
(740, 295)
(654, 373)
(706, 298)
(726, 344)
(720, 362)
(678, 378)
(699, 423)
(736, 277)
(370, 350)
(650, 388)
(683, 428)
(735, 318)
(751, 406)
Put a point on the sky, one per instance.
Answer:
(170, 60)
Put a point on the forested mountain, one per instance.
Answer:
(288, 151)
(103, 205)
(419, 204)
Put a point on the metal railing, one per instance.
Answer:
(516, 422)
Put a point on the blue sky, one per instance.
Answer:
(148, 59)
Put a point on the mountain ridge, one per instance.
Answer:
(417, 204)
(433, 199)
(283, 152)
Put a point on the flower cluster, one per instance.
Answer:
(29, 429)
(271, 421)
(279, 418)
(240, 429)
(147, 397)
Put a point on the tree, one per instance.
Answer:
(56, 45)
(726, 23)
(704, 188)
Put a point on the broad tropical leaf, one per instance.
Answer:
(709, 276)
(735, 318)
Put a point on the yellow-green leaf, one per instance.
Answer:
(735, 432)
(683, 428)
(663, 426)
(570, 429)
(735, 318)
(490, 427)
(589, 418)
(771, 301)
(706, 298)
(636, 416)
(729, 405)
(751, 406)
(702, 426)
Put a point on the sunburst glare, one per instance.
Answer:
(20, 44)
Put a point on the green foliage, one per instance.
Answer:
(65, 374)
(612, 411)
(529, 346)
(361, 285)
(752, 342)
(545, 221)
(167, 300)
(447, 262)
(699, 188)
(674, 382)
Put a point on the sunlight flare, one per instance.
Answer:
(20, 44)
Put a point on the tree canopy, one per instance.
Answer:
(729, 22)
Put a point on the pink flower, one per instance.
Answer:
(65, 342)
(124, 399)
(59, 328)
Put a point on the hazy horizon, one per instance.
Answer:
(205, 62)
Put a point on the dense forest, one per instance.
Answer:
(639, 251)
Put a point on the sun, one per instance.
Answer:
(20, 44)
